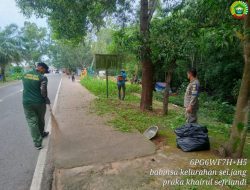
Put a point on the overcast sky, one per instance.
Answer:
(10, 13)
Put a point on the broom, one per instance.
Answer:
(57, 135)
(61, 143)
(55, 127)
(59, 140)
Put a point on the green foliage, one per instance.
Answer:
(213, 110)
(72, 19)
(168, 39)
(71, 56)
(240, 126)
(126, 42)
(9, 47)
(103, 41)
(28, 44)
(17, 69)
(221, 111)
(34, 42)
(200, 34)
(16, 76)
(14, 72)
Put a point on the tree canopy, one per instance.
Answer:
(34, 42)
(9, 47)
(72, 19)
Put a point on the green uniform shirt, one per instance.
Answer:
(34, 87)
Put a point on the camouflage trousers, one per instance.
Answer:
(191, 117)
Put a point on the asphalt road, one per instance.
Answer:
(18, 156)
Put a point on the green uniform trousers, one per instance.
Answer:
(35, 114)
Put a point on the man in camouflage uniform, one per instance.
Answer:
(191, 102)
(34, 102)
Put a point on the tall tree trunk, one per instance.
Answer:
(234, 147)
(168, 78)
(147, 66)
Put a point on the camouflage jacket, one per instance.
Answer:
(192, 93)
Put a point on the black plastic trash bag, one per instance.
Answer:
(192, 137)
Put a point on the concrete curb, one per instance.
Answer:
(41, 161)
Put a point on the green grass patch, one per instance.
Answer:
(98, 88)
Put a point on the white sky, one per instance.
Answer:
(10, 13)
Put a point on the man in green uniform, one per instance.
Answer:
(34, 102)
(191, 102)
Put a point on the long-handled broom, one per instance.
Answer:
(55, 130)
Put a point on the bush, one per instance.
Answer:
(216, 110)
(16, 76)
(221, 111)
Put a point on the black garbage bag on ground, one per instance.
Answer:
(192, 137)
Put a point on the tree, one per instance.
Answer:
(102, 42)
(9, 47)
(147, 65)
(234, 147)
(70, 56)
(69, 19)
(168, 42)
(34, 42)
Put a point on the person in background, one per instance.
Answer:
(121, 80)
(85, 72)
(35, 98)
(73, 77)
(191, 102)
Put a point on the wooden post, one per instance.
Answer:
(107, 83)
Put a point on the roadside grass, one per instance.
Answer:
(8, 80)
(126, 115)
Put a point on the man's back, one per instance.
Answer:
(32, 81)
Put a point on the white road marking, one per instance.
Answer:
(41, 161)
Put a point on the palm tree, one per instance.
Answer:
(9, 47)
